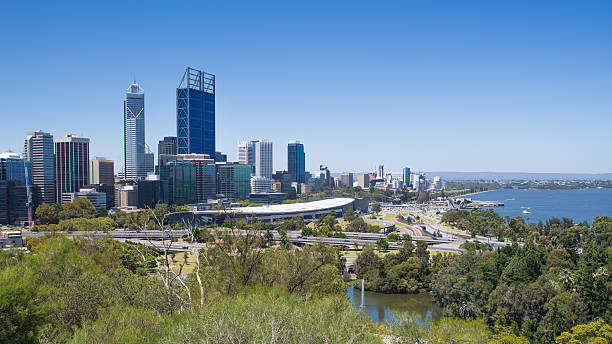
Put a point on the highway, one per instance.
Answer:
(353, 238)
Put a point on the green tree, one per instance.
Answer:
(46, 214)
(595, 332)
(382, 244)
(349, 215)
(376, 208)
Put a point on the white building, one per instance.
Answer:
(260, 184)
(262, 152)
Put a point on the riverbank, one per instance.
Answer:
(474, 193)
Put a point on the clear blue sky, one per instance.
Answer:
(445, 86)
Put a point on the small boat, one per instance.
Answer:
(526, 212)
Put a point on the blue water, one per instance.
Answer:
(579, 205)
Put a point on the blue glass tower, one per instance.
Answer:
(295, 161)
(195, 113)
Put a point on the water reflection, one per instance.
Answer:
(383, 307)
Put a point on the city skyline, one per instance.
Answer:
(524, 95)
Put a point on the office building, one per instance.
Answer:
(97, 199)
(71, 164)
(12, 167)
(380, 171)
(195, 113)
(167, 146)
(296, 161)
(262, 158)
(363, 180)
(260, 184)
(245, 153)
(149, 164)
(406, 176)
(220, 157)
(109, 190)
(181, 178)
(128, 196)
(101, 171)
(346, 178)
(38, 151)
(135, 161)
(152, 191)
(325, 175)
(266, 198)
(14, 202)
(206, 175)
(286, 183)
(233, 180)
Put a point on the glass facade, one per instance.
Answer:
(134, 133)
(234, 181)
(296, 162)
(195, 113)
(181, 178)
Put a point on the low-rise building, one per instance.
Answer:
(98, 199)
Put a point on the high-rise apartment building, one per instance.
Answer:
(101, 171)
(296, 161)
(167, 146)
(38, 151)
(262, 156)
(134, 133)
(71, 164)
(406, 176)
(195, 113)
(346, 178)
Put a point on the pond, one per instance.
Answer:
(382, 307)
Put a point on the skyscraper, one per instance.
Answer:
(406, 176)
(167, 146)
(380, 171)
(71, 164)
(262, 152)
(246, 154)
(134, 133)
(195, 113)
(296, 161)
(38, 150)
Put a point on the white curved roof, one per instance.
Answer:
(9, 155)
(298, 208)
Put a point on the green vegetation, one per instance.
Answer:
(407, 271)
(538, 290)
(555, 287)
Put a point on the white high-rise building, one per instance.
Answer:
(137, 164)
(257, 154)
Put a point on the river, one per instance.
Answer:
(540, 205)
(382, 307)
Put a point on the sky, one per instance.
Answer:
(435, 86)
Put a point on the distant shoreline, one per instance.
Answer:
(474, 193)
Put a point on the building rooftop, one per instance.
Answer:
(295, 207)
